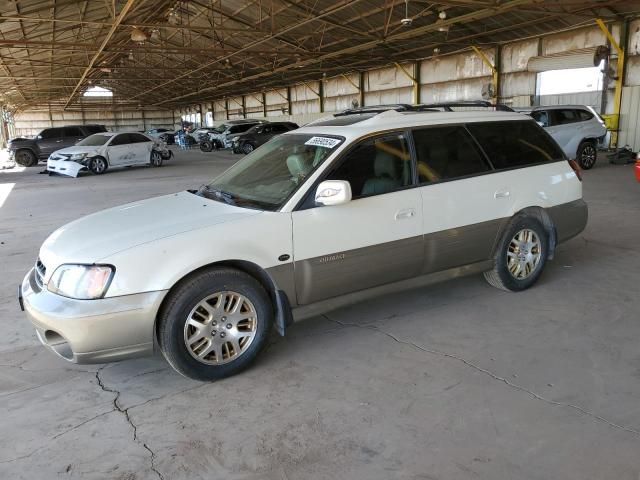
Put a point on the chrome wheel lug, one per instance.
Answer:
(222, 335)
(229, 326)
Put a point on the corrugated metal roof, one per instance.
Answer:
(201, 50)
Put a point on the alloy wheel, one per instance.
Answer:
(220, 328)
(588, 156)
(524, 254)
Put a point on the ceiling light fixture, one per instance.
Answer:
(442, 27)
(407, 20)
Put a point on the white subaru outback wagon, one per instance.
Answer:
(342, 205)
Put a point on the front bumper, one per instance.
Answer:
(65, 167)
(91, 331)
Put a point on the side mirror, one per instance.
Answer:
(333, 192)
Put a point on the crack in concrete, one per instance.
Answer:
(125, 412)
(488, 373)
(75, 427)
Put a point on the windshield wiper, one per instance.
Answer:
(216, 194)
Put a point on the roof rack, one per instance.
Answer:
(423, 107)
(449, 106)
(398, 107)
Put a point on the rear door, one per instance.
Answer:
(50, 140)
(462, 204)
(71, 136)
(372, 240)
(141, 146)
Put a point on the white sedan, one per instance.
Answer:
(102, 151)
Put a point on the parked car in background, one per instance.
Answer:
(341, 205)
(578, 129)
(220, 137)
(157, 132)
(102, 151)
(28, 151)
(259, 134)
(202, 134)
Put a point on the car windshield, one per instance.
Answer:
(94, 140)
(268, 176)
(220, 128)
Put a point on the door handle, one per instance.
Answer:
(58, 141)
(406, 213)
(502, 194)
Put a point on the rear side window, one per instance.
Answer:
(50, 133)
(584, 115)
(91, 129)
(72, 132)
(565, 116)
(541, 116)
(446, 152)
(279, 128)
(515, 144)
(137, 138)
(241, 128)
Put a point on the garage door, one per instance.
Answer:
(581, 58)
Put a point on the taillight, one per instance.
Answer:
(576, 168)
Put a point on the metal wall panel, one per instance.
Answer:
(470, 89)
(630, 118)
(592, 99)
(632, 76)
(455, 67)
(517, 84)
(515, 56)
(575, 39)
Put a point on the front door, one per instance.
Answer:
(50, 140)
(372, 240)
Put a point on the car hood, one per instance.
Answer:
(77, 149)
(95, 237)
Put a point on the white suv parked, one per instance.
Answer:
(578, 129)
(342, 205)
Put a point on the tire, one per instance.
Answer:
(98, 165)
(587, 155)
(525, 263)
(26, 158)
(156, 159)
(206, 146)
(185, 329)
(247, 148)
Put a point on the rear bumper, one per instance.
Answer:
(569, 219)
(92, 331)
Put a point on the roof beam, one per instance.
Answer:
(117, 22)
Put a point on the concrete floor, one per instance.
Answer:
(453, 381)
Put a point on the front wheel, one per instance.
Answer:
(587, 155)
(206, 146)
(98, 165)
(26, 158)
(214, 324)
(521, 255)
(247, 148)
(156, 159)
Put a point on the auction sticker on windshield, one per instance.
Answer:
(325, 142)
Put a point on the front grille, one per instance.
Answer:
(40, 271)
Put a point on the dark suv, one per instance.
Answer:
(248, 141)
(28, 151)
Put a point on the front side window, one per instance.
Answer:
(376, 166)
(515, 144)
(542, 117)
(446, 152)
(94, 140)
(268, 176)
(51, 133)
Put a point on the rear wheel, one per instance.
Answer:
(247, 148)
(215, 324)
(156, 159)
(587, 155)
(206, 146)
(26, 158)
(98, 165)
(520, 256)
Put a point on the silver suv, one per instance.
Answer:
(578, 129)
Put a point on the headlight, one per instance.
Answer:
(82, 282)
(77, 156)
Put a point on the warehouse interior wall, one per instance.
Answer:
(455, 77)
